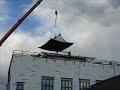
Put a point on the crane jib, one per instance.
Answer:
(19, 22)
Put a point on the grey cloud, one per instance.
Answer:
(82, 7)
(115, 3)
(97, 13)
(78, 9)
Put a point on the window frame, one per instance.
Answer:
(47, 79)
(86, 84)
(20, 83)
(67, 81)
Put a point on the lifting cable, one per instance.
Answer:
(56, 16)
(56, 13)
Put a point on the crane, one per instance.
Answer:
(19, 22)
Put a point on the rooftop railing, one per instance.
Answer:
(65, 57)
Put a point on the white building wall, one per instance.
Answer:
(30, 70)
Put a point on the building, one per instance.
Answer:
(108, 84)
(55, 71)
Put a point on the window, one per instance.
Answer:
(20, 86)
(84, 84)
(47, 83)
(66, 83)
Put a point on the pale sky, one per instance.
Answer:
(92, 25)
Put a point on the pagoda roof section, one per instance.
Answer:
(59, 38)
(57, 44)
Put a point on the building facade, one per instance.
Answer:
(50, 71)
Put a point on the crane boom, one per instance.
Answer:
(19, 22)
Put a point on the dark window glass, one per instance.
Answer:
(84, 84)
(20, 86)
(66, 83)
(47, 83)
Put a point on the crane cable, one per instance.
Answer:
(56, 13)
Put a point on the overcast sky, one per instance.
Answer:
(93, 26)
